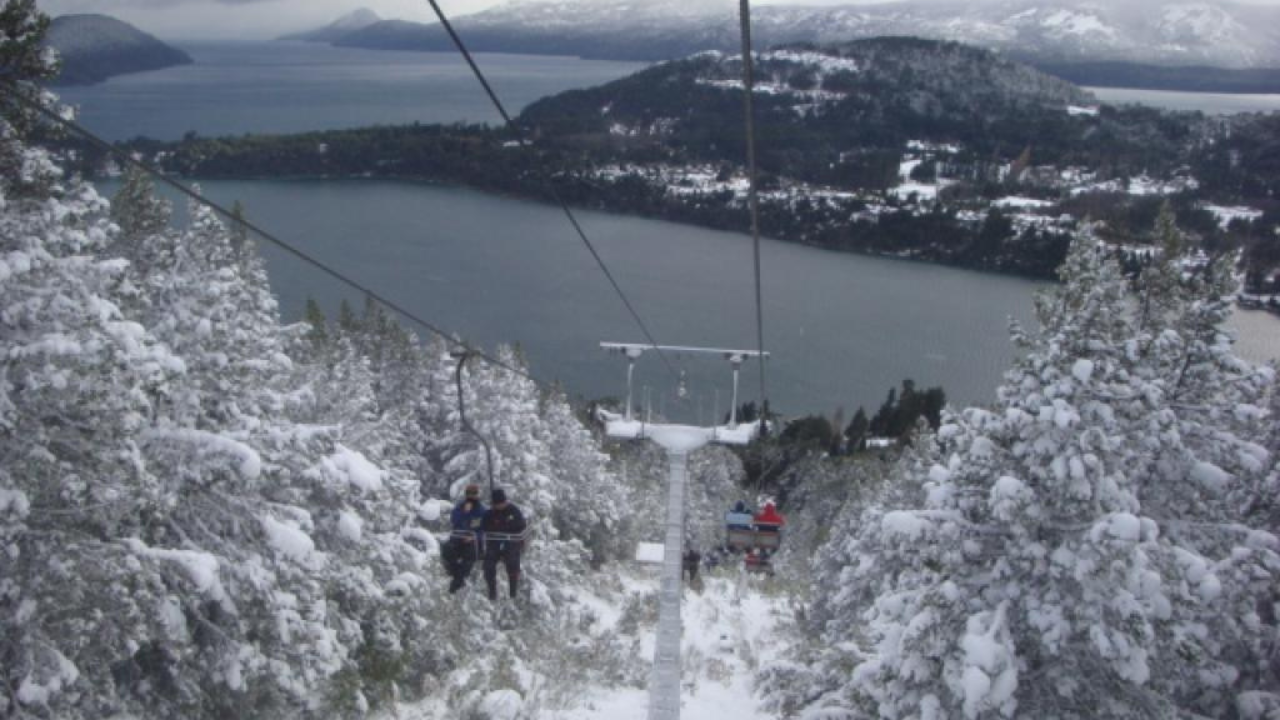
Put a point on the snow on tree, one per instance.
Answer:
(586, 507)
(77, 386)
(1201, 488)
(24, 65)
(859, 491)
(716, 478)
(205, 514)
(1060, 564)
(139, 213)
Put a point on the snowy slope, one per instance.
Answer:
(730, 629)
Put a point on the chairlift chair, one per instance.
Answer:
(483, 538)
(768, 537)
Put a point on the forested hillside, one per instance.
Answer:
(898, 146)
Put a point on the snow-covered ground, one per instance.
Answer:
(1141, 185)
(908, 187)
(1017, 201)
(729, 627)
(1257, 334)
(699, 183)
(1226, 213)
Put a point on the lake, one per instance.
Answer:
(842, 328)
(1208, 103)
(288, 87)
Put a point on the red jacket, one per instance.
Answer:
(769, 516)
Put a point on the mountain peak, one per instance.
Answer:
(357, 19)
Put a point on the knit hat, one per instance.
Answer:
(499, 496)
(472, 491)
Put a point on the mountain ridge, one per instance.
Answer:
(344, 24)
(915, 148)
(1176, 33)
(95, 47)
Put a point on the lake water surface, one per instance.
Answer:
(842, 328)
(288, 87)
(1208, 103)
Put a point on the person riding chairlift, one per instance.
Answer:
(739, 518)
(465, 539)
(503, 526)
(737, 524)
(768, 520)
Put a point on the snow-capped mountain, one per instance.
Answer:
(1176, 32)
(95, 47)
(352, 21)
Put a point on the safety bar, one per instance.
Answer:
(506, 537)
(486, 536)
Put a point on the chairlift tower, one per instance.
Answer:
(678, 441)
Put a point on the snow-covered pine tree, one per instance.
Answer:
(1032, 581)
(1199, 487)
(716, 482)
(139, 213)
(815, 676)
(586, 508)
(77, 382)
(24, 64)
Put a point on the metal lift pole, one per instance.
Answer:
(736, 361)
(664, 685)
(678, 441)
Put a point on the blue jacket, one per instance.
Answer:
(468, 518)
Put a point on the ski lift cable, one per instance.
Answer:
(519, 134)
(338, 275)
(753, 198)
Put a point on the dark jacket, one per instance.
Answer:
(468, 516)
(507, 520)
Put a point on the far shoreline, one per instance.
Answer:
(1209, 103)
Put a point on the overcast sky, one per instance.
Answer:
(188, 19)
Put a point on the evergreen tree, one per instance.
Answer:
(317, 332)
(77, 382)
(139, 213)
(586, 507)
(24, 62)
(857, 431)
(883, 419)
(1050, 570)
